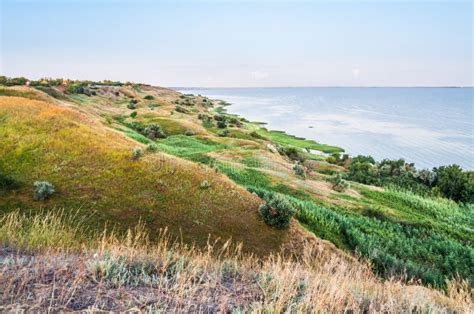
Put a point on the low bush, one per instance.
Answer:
(132, 106)
(299, 170)
(181, 109)
(133, 114)
(136, 153)
(154, 131)
(205, 185)
(221, 124)
(149, 97)
(254, 134)
(7, 183)
(338, 182)
(277, 211)
(223, 133)
(152, 147)
(42, 190)
(291, 152)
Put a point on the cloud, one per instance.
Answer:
(259, 75)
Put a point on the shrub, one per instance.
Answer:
(152, 147)
(75, 88)
(189, 132)
(153, 106)
(221, 124)
(136, 153)
(154, 131)
(223, 133)
(133, 114)
(205, 185)
(7, 183)
(299, 170)
(181, 109)
(132, 106)
(277, 211)
(149, 97)
(254, 134)
(338, 182)
(291, 152)
(42, 190)
(219, 117)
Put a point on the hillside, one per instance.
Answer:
(89, 162)
(122, 155)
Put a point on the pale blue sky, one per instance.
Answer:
(236, 43)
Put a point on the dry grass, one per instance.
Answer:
(91, 168)
(111, 272)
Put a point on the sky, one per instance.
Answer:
(240, 43)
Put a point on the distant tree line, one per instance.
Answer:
(72, 85)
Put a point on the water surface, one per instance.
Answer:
(427, 126)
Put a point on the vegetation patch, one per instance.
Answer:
(282, 138)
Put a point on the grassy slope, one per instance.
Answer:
(91, 168)
(432, 239)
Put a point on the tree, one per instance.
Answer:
(455, 183)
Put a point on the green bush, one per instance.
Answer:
(133, 114)
(223, 133)
(152, 147)
(254, 134)
(7, 183)
(42, 190)
(136, 153)
(277, 211)
(181, 109)
(153, 106)
(291, 152)
(220, 117)
(299, 170)
(132, 106)
(221, 124)
(154, 131)
(338, 182)
(149, 97)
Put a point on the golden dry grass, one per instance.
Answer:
(109, 272)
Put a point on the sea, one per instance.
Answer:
(427, 126)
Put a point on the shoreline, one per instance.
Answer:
(381, 144)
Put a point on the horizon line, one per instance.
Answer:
(317, 86)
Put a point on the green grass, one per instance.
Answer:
(282, 138)
(433, 247)
(170, 126)
(187, 146)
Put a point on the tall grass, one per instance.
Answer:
(129, 272)
(419, 249)
(45, 231)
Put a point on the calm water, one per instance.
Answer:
(428, 126)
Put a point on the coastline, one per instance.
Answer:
(279, 136)
(387, 124)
